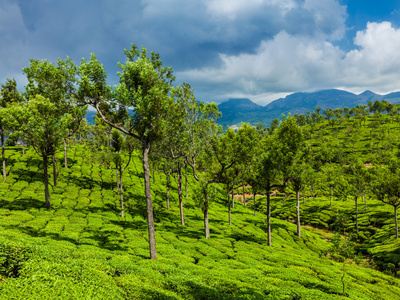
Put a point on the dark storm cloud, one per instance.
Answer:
(222, 47)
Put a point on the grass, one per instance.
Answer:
(83, 249)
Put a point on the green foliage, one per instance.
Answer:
(83, 249)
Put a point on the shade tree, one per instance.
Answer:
(145, 86)
(9, 95)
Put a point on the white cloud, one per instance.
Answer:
(291, 63)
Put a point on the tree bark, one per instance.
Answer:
(365, 201)
(298, 213)
(244, 196)
(23, 147)
(233, 199)
(229, 203)
(154, 178)
(168, 182)
(206, 225)
(395, 222)
(149, 204)
(116, 170)
(121, 194)
(65, 154)
(186, 187)
(269, 217)
(46, 182)
(254, 203)
(54, 170)
(3, 153)
(356, 214)
(180, 194)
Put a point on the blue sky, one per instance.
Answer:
(260, 49)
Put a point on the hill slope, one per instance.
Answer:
(83, 249)
(234, 112)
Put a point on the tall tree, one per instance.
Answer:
(145, 86)
(8, 96)
(386, 187)
(57, 83)
(41, 125)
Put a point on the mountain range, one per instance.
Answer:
(237, 110)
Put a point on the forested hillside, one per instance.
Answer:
(161, 203)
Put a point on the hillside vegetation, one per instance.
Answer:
(83, 249)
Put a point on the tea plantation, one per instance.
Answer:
(83, 249)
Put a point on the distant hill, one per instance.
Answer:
(235, 111)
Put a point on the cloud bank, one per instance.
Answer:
(261, 49)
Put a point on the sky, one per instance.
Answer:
(258, 49)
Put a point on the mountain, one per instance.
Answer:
(235, 111)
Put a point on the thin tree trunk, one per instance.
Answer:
(65, 154)
(365, 201)
(121, 194)
(206, 226)
(154, 178)
(244, 196)
(116, 170)
(180, 195)
(254, 202)
(168, 182)
(46, 182)
(233, 199)
(186, 187)
(269, 218)
(54, 170)
(3, 153)
(356, 214)
(395, 222)
(298, 213)
(23, 147)
(229, 203)
(149, 204)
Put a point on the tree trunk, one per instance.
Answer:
(365, 201)
(116, 170)
(298, 213)
(46, 182)
(168, 182)
(233, 199)
(3, 153)
(229, 203)
(395, 222)
(23, 147)
(180, 194)
(186, 188)
(206, 226)
(269, 217)
(244, 196)
(154, 178)
(254, 202)
(149, 204)
(121, 194)
(65, 154)
(54, 171)
(356, 214)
